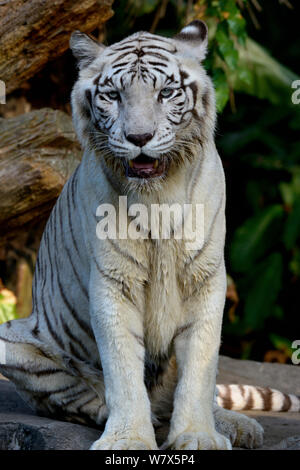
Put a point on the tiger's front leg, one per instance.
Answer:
(118, 329)
(196, 348)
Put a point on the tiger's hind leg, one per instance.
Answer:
(240, 429)
(48, 387)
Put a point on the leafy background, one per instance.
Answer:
(253, 60)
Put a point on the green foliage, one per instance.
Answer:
(254, 237)
(221, 87)
(264, 284)
(260, 75)
(282, 344)
(7, 310)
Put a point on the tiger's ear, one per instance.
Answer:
(85, 49)
(193, 39)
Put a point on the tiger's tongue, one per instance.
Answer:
(143, 165)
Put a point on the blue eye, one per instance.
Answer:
(114, 95)
(166, 92)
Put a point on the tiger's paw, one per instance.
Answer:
(240, 429)
(123, 442)
(198, 441)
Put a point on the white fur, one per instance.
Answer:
(172, 299)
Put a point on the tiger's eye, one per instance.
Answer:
(113, 95)
(166, 92)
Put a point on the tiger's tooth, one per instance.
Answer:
(155, 163)
(131, 163)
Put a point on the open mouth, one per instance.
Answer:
(144, 167)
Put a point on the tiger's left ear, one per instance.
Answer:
(193, 39)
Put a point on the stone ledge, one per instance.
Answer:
(21, 429)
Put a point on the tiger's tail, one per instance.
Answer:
(249, 397)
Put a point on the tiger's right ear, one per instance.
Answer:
(192, 39)
(85, 49)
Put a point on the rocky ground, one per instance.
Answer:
(21, 429)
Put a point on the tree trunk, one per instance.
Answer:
(32, 32)
(38, 153)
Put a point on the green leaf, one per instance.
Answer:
(7, 312)
(255, 237)
(294, 264)
(291, 231)
(263, 292)
(245, 76)
(221, 89)
(281, 343)
(287, 194)
(226, 49)
(270, 80)
(237, 25)
(144, 7)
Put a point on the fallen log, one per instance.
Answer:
(33, 32)
(38, 153)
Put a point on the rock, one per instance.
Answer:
(285, 378)
(10, 401)
(291, 443)
(26, 432)
(278, 427)
(21, 429)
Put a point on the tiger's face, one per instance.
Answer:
(141, 101)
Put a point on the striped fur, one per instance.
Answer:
(127, 332)
(249, 397)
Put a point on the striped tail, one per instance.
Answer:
(249, 397)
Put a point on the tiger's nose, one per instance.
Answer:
(139, 139)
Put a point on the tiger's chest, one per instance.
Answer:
(164, 296)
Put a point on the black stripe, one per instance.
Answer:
(227, 400)
(122, 64)
(121, 56)
(84, 326)
(89, 400)
(37, 373)
(73, 398)
(74, 181)
(120, 283)
(70, 222)
(52, 332)
(74, 338)
(158, 64)
(158, 55)
(250, 402)
(84, 290)
(127, 255)
(170, 51)
(162, 72)
(287, 403)
(182, 329)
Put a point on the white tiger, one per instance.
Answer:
(127, 332)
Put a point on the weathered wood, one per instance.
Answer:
(38, 152)
(32, 32)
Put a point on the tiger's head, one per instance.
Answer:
(143, 103)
